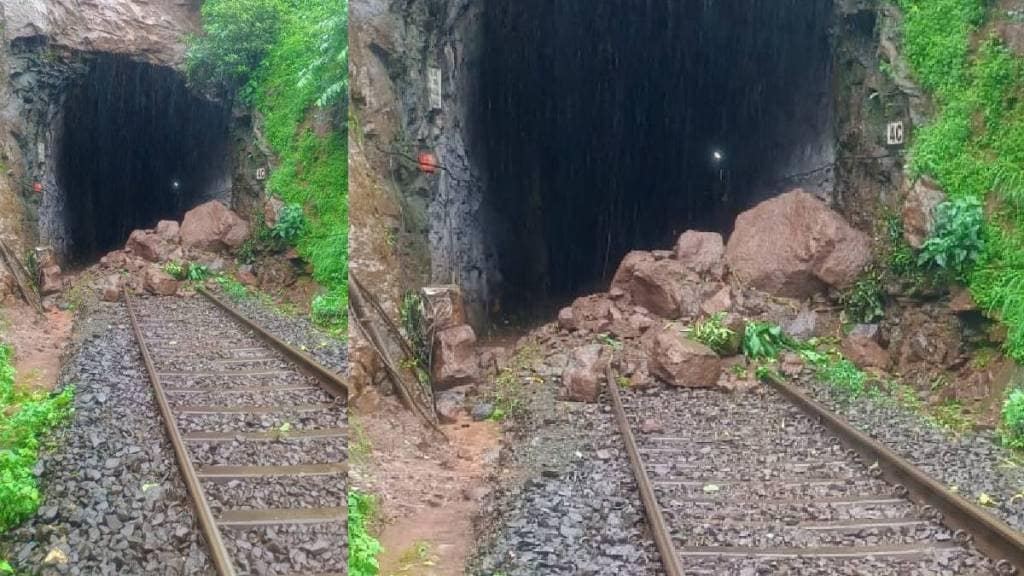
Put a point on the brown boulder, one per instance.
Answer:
(246, 275)
(962, 301)
(865, 352)
(623, 278)
(680, 361)
(919, 211)
(111, 288)
(272, 211)
(213, 226)
(169, 230)
(721, 301)
(566, 319)
(793, 245)
(702, 252)
(150, 246)
(442, 306)
(585, 373)
(667, 288)
(454, 357)
(50, 281)
(158, 282)
(594, 313)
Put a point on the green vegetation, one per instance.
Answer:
(1012, 429)
(27, 417)
(363, 548)
(713, 333)
(191, 271)
(234, 289)
(508, 384)
(763, 340)
(958, 239)
(288, 59)
(864, 302)
(974, 147)
(175, 270)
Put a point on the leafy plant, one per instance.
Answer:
(233, 288)
(763, 340)
(713, 333)
(363, 547)
(291, 224)
(843, 375)
(864, 302)
(1012, 429)
(958, 240)
(329, 311)
(410, 312)
(175, 269)
(198, 272)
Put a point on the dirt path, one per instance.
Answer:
(38, 342)
(429, 492)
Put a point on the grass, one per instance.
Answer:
(363, 547)
(360, 446)
(508, 384)
(974, 147)
(27, 418)
(713, 333)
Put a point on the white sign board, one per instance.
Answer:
(894, 134)
(261, 174)
(434, 86)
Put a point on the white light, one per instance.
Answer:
(176, 184)
(717, 155)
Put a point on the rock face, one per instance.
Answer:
(454, 357)
(50, 281)
(793, 246)
(158, 282)
(584, 374)
(213, 226)
(153, 30)
(272, 211)
(443, 306)
(680, 361)
(919, 211)
(701, 252)
(667, 288)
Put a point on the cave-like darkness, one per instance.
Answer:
(135, 146)
(600, 122)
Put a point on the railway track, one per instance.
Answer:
(773, 484)
(258, 431)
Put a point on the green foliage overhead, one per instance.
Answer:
(958, 239)
(26, 417)
(237, 34)
(294, 72)
(974, 147)
(363, 548)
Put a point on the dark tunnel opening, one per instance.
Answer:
(614, 126)
(135, 146)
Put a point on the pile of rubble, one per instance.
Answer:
(204, 235)
(781, 259)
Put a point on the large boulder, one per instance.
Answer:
(666, 288)
(151, 246)
(454, 357)
(680, 361)
(169, 230)
(702, 252)
(919, 211)
(794, 245)
(584, 373)
(624, 275)
(594, 313)
(863, 351)
(213, 226)
(158, 282)
(50, 281)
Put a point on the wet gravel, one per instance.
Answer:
(113, 501)
(179, 325)
(258, 493)
(714, 467)
(567, 501)
(973, 462)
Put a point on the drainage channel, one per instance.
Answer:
(742, 483)
(258, 430)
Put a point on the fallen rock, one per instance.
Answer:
(111, 288)
(869, 331)
(442, 306)
(865, 352)
(454, 357)
(667, 288)
(213, 226)
(50, 281)
(158, 282)
(594, 313)
(246, 275)
(680, 361)
(566, 319)
(793, 245)
(719, 303)
(450, 404)
(585, 373)
(702, 252)
(919, 211)
(802, 327)
(150, 246)
(623, 278)
(272, 211)
(962, 301)
(169, 230)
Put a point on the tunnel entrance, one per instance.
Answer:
(133, 146)
(610, 126)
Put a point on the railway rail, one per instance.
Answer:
(773, 483)
(258, 430)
